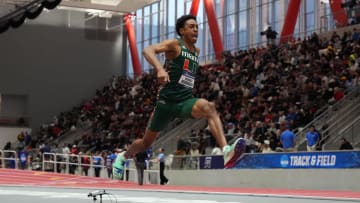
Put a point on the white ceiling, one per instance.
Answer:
(121, 6)
(114, 6)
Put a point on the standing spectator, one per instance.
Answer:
(270, 35)
(66, 149)
(21, 136)
(7, 154)
(57, 151)
(73, 159)
(97, 164)
(161, 159)
(74, 149)
(27, 138)
(66, 152)
(140, 162)
(7, 146)
(194, 153)
(312, 138)
(23, 158)
(181, 145)
(355, 35)
(85, 161)
(287, 138)
(127, 170)
(110, 157)
(20, 144)
(11, 162)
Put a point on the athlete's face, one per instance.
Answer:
(190, 31)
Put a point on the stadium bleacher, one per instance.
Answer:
(254, 90)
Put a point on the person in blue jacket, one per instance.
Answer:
(287, 137)
(312, 139)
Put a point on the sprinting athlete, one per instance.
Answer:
(176, 99)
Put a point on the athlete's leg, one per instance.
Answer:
(205, 109)
(159, 119)
(142, 144)
(137, 146)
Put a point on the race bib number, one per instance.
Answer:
(187, 79)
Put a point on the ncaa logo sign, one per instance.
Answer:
(284, 161)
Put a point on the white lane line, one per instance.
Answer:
(119, 198)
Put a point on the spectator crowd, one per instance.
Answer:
(258, 92)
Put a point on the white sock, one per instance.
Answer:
(226, 148)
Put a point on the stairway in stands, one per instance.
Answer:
(168, 138)
(338, 120)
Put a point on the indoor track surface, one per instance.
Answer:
(18, 186)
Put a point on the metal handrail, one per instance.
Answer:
(66, 161)
(340, 103)
(69, 133)
(165, 140)
(335, 127)
(351, 126)
(331, 126)
(147, 171)
(324, 117)
(14, 158)
(346, 105)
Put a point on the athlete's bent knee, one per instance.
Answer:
(141, 144)
(212, 107)
(209, 109)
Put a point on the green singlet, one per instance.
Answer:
(176, 97)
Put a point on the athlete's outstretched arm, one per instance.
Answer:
(170, 48)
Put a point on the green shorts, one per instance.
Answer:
(166, 111)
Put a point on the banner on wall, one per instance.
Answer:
(337, 159)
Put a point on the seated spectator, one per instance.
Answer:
(216, 150)
(266, 147)
(346, 145)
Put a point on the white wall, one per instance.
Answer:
(57, 67)
(311, 179)
(10, 134)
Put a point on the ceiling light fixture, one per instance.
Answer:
(107, 2)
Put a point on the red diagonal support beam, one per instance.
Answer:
(290, 20)
(214, 29)
(338, 13)
(194, 7)
(132, 44)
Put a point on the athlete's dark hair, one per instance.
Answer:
(180, 22)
